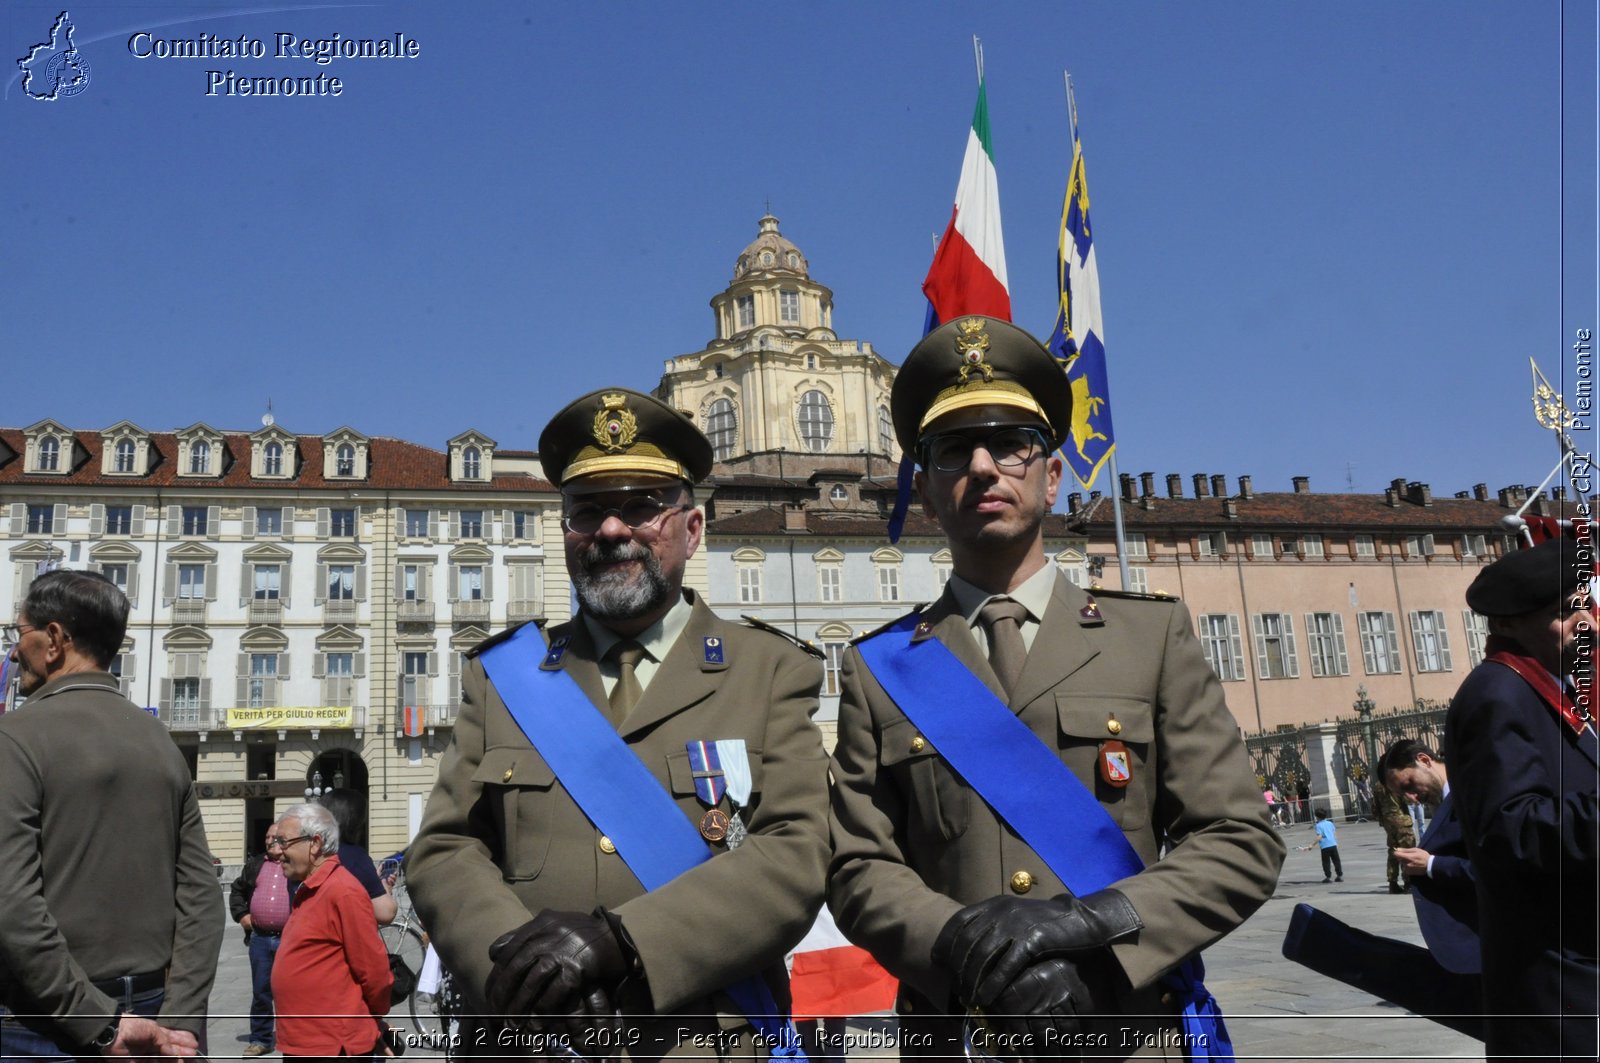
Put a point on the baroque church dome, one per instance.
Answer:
(770, 252)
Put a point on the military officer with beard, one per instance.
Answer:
(645, 719)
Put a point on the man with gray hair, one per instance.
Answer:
(113, 918)
(331, 978)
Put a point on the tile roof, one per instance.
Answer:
(755, 522)
(392, 464)
(1307, 510)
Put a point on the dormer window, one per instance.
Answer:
(199, 457)
(272, 459)
(471, 464)
(49, 454)
(344, 461)
(124, 456)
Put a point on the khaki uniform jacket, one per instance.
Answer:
(913, 844)
(104, 866)
(501, 839)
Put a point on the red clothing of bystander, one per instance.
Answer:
(331, 980)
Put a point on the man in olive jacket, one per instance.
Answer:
(112, 915)
(529, 904)
(926, 875)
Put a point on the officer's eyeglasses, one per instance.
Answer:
(585, 518)
(1009, 446)
(11, 634)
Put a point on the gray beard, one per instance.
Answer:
(618, 595)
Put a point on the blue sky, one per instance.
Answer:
(1330, 236)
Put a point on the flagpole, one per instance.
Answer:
(977, 56)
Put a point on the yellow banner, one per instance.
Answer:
(291, 719)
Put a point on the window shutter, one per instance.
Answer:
(455, 525)
(288, 521)
(453, 592)
(247, 583)
(319, 665)
(323, 520)
(247, 522)
(285, 581)
(213, 521)
(129, 665)
(1364, 627)
(508, 525)
(321, 594)
(400, 583)
(97, 519)
(211, 581)
(425, 583)
(488, 583)
(1391, 635)
(433, 524)
(1291, 659)
(1338, 644)
(205, 695)
(169, 583)
(433, 662)
(1417, 640)
(133, 584)
(1444, 641)
(242, 679)
(358, 664)
(59, 518)
(165, 704)
(1261, 645)
(138, 521)
(1236, 646)
(19, 518)
(285, 670)
(361, 583)
(174, 521)
(1313, 643)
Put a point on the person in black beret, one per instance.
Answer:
(1128, 722)
(1520, 741)
(534, 890)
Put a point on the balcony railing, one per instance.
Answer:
(339, 611)
(432, 716)
(189, 719)
(469, 612)
(414, 612)
(521, 610)
(189, 611)
(266, 611)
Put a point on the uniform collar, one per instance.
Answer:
(656, 639)
(1033, 594)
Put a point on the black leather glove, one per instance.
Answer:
(986, 945)
(1036, 1016)
(552, 965)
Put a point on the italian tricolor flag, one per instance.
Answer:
(968, 275)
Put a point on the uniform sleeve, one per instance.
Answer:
(1223, 855)
(739, 912)
(451, 873)
(39, 970)
(197, 935)
(877, 899)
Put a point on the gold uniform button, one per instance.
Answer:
(507, 776)
(1021, 882)
(918, 744)
(1166, 1000)
(607, 845)
(1114, 726)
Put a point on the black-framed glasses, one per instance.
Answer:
(283, 843)
(1008, 445)
(585, 518)
(12, 634)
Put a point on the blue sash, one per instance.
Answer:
(1049, 809)
(618, 794)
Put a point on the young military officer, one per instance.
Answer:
(1013, 759)
(646, 723)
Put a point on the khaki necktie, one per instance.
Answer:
(625, 693)
(1003, 619)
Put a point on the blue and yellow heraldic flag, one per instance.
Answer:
(1077, 340)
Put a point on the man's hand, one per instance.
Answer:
(144, 1037)
(247, 923)
(988, 944)
(1413, 862)
(1036, 1016)
(552, 965)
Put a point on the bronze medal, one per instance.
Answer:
(714, 825)
(1116, 767)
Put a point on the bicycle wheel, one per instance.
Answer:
(437, 1019)
(405, 941)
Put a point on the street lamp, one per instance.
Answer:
(315, 790)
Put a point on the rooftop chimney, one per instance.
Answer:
(1128, 487)
(1244, 488)
(1399, 485)
(1480, 492)
(1419, 492)
(1302, 485)
(1174, 485)
(1094, 496)
(1558, 492)
(1200, 489)
(1219, 485)
(1230, 508)
(1147, 484)
(1391, 497)
(1074, 502)
(794, 519)
(1463, 495)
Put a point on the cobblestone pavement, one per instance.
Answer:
(1276, 1009)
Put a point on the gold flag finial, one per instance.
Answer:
(1549, 408)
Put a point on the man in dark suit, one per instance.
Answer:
(1523, 756)
(1443, 887)
(1107, 692)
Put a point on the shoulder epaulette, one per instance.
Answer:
(915, 609)
(1135, 596)
(499, 637)
(762, 625)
